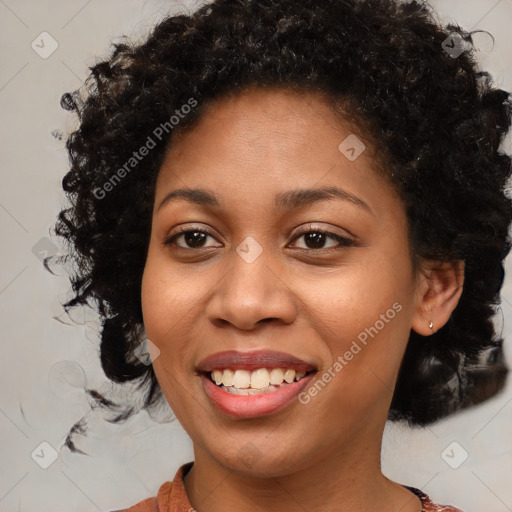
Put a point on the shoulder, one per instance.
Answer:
(440, 508)
(149, 504)
(429, 506)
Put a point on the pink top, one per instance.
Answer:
(172, 497)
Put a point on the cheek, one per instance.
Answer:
(366, 339)
(151, 301)
(367, 311)
(164, 308)
(367, 330)
(170, 300)
(165, 297)
(160, 320)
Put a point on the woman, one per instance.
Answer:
(298, 209)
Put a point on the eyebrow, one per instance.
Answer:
(291, 199)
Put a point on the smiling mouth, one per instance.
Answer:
(262, 380)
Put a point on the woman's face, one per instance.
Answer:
(255, 273)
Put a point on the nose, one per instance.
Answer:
(251, 294)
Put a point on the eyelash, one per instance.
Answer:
(342, 240)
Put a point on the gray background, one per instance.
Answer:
(45, 364)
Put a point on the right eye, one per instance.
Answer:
(193, 238)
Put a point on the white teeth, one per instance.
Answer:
(227, 377)
(249, 391)
(217, 376)
(242, 379)
(259, 379)
(289, 376)
(276, 376)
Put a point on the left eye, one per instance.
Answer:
(316, 238)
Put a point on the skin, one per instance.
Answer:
(308, 300)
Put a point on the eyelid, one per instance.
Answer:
(187, 229)
(312, 226)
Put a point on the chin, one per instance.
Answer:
(255, 462)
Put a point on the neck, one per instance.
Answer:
(349, 479)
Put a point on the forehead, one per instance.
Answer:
(262, 142)
(259, 124)
(261, 118)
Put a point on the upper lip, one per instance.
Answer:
(253, 361)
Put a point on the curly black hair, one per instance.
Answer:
(436, 118)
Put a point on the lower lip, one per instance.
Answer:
(253, 406)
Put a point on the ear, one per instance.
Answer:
(439, 287)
